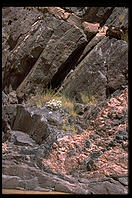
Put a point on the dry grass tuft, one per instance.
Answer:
(49, 95)
(88, 98)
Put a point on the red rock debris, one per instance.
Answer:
(68, 152)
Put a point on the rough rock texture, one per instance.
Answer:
(75, 51)
(54, 39)
(100, 72)
(82, 163)
(118, 18)
(109, 124)
(91, 14)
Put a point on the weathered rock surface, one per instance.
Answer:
(53, 35)
(118, 18)
(100, 73)
(75, 163)
(52, 59)
(91, 14)
(83, 53)
(45, 53)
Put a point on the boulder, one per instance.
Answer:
(8, 116)
(100, 73)
(24, 55)
(43, 124)
(31, 123)
(12, 182)
(21, 138)
(37, 180)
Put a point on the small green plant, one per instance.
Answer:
(72, 113)
(40, 100)
(51, 99)
(74, 130)
(67, 103)
(65, 127)
(88, 98)
(121, 18)
(69, 128)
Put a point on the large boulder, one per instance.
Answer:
(101, 72)
(30, 178)
(33, 123)
(44, 125)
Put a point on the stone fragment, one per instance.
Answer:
(107, 187)
(90, 29)
(79, 108)
(21, 138)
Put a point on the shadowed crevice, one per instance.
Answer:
(66, 67)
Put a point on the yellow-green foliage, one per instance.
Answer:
(48, 95)
(121, 18)
(69, 128)
(73, 129)
(72, 112)
(65, 127)
(88, 98)
(40, 100)
(67, 103)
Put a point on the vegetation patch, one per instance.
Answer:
(53, 100)
(88, 98)
(69, 128)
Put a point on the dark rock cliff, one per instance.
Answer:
(82, 54)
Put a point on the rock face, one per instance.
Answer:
(54, 39)
(100, 72)
(82, 54)
(75, 163)
(118, 18)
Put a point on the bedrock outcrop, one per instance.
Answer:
(43, 45)
(82, 54)
(46, 158)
